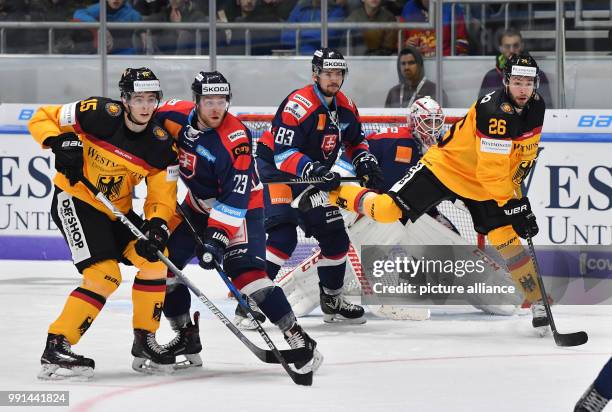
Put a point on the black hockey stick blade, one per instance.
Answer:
(570, 339)
(561, 339)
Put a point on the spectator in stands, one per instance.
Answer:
(121, 41)
(283, 7)
(310, 11)
(14, 10)
(412, 81)
(51, 10)
(395, 6)
(377, 41)
(511, 42)
(262, 41)
(425, 39)
(175, 41)
(149, 7)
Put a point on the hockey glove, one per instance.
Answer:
(213, 249)
(331, 180)
(68, 151)
(368, 171)
(311, 198)
(520, 216)
(157, 234)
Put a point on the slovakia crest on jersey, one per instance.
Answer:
(187, 161)
(329, 144)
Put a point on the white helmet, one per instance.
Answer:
(426, 119)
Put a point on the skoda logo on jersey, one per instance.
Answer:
(220, 88)
(329, 144)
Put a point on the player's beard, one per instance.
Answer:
(207, 122)
(330, 94)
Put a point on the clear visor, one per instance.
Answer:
(428, 127)
(217, 102)
(143, 100)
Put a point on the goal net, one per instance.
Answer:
(459, 216)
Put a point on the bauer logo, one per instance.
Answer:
(495, 146)
(515, 210)
(221, 88)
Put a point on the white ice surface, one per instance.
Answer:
(460, 360)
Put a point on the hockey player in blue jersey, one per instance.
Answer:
(225, 203)
(307, 131)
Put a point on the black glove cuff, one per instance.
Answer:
(217, 236)
(157, 222)
(365, 156)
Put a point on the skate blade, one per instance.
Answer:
(336, 318)
(190, 361)
(244, 323)
(147, 367)
(542, 331)
(313, 365)
(75, 374)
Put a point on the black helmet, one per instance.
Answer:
(211, 83)
(139, 80)
(328, 58)
(522, 65)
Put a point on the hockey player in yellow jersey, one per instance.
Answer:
(481, 160)
(115, 145)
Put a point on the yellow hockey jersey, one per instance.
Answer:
(116, 159)
(486, 154)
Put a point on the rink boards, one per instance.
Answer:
(570, 190)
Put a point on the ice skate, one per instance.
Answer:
(149, 356)
(242, 321)
(60, 362)
(540, 319)
(591, 401)
(297, 338)
(186, 343)
(336, 309)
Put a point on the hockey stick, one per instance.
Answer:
(561, 339)
(266, 356)
(310, 180)
(299, 378)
